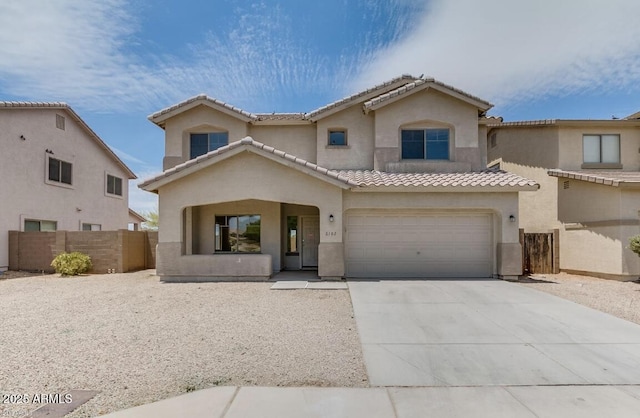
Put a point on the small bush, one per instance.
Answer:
(71, 264)
(634, 244)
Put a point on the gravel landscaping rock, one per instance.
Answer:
(137, 340)
(621, 299)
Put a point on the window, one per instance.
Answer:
(292, 235)
(60, 122)
(59, 171)
(601, 149)
(237, 234)
(31, 225)
(91, 227)
(203, 143)
(337, 137)
(494, 140)
(114, 185)
(425, 144)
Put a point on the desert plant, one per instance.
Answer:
(71, 264)
(634, 244)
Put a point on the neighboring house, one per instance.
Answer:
(389, 182)
(57, 174)
(135, 220)
(589, 176)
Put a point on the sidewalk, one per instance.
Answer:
(439, 402)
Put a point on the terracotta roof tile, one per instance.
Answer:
(415, 84)
(404, 77)
(605, 177)
(485, 178)
(369, 178)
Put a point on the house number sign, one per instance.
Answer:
(330, 233)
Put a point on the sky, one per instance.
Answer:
(117, 61)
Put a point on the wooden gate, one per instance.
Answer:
(539, 253)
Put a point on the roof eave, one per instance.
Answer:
(160, 117)
(449, 189)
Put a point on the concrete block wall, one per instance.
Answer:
(119, 251)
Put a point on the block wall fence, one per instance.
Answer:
(120, 251)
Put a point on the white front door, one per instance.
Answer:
(310, 240)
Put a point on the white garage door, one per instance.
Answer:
(396, 244)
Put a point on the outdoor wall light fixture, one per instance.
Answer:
(512, 218)
(22, 137)
(331, 218)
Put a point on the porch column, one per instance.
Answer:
(331, 247)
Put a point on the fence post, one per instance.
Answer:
(556, 251)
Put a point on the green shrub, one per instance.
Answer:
(71, 264)
(634, 244)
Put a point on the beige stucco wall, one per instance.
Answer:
(254, 178)
(571, 153)
(596, 235)
(530, 152)
(358, 154)
(200, 119)
(26, 195)
(298, 140)
(428, 108)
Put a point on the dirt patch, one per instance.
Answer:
(621, 299)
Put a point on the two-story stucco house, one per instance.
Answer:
(57, 174)
(589, 176)
(389, 182)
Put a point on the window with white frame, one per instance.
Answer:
(114, 185)
(601, 149)
(60, 122)
(91, 227)
(425, 144)
(200, 144)
(34, 225)
(60, 171)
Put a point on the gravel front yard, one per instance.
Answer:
(137, 340)
(621, 299)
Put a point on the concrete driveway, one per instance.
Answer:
(488, 333)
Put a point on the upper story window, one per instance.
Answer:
(114, 185)
(601, 149)
(201, 144)
(337, 137)
(60, 171)
(425, 144)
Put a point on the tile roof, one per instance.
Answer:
(485, 178)
(405, 77)
(361, 178)
(634, 116)
(248, 141)
(407, 88)
(78, 119)
(280, 116)
(605, 177)
(567, 122)
(206, 98)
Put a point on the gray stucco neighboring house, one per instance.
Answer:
(389, 182)
(57, 174)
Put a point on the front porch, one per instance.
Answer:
(248, 240)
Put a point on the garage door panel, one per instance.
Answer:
(411, 245)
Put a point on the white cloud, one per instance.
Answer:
(79, 51)
(510, 51)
